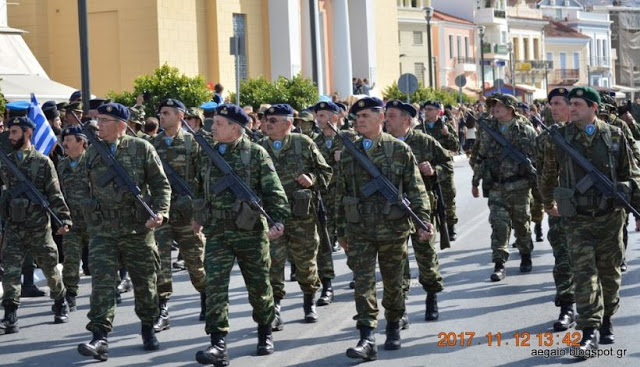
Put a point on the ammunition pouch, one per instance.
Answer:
(246, 216)
(201, 212)
(18, 210)
(351, 212)
(393, 211)
(566, 201)
(182, 209)
(90, 212)
(302, 200)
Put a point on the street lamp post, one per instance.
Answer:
(481, 30)
(429, 14)
(512, 67)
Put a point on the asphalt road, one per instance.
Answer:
(519, 311)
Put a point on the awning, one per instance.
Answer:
(20, 87)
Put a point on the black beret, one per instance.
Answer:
(586, 93)
(97, 102)
(50, 110)
(281, 109)
(366, 103)
(562, 92)
(523, 105)
(21, 121)
(342, 106)
(173, 103)
(75, 96)
(233, 113)
(435, 104)
(326, 106)
(115, 110)
(405, 107)
(75, 130)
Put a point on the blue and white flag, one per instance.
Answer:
(43, 136)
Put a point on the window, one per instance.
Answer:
(604, 53)
(417, 38)
(563, 60)
(450, 47)
(459, 49)
(239, 31)
(466, 47)
(598, 55)
(504, 37)
(549, 56)
(399, 38)
(419, 71)
(576, 60)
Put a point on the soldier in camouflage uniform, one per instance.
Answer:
(195, 118)
(370, 228)
(434, 163)
(234, 230)
(562, 274)
(507, 182)
(593, 222)
(136, 122)
(306, 124)
(120, 229)
(27, 224)
(302, 170)
(446, 135)
(208, 112)
(178, 150)
(74, 185)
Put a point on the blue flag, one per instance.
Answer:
(43, 136)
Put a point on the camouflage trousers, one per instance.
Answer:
(428, 266)
(192, 249)
(449, 196)
(391, 255)
(595, 250)
(536, 206)
(139, 255)
(325, 253)
(73, 243)
(509, 209)
(300, 241)
(325, 260)
(225, 244)
(39, 243)
(562, 273)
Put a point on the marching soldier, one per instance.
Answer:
(446, 135)
(235, 230)
(179, 151)
(28, 225)
(434, 162)
(301, 169)
(593, 222)
(508, 184)
(370, 228)
(120, 229)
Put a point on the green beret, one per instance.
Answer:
(586, 93)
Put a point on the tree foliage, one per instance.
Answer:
(299, 92)
(424, 94)
(3, 104)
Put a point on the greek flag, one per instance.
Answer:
(43, 137)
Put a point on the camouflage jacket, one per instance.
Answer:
(328, 145)
(74, 185)
(372, 217)
(427, 149)
(559, 170)
(117, 212)
(254, 166)
(449, 142)
(628, 134)
(41, 172)
(181, 154)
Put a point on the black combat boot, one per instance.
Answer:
(29, 288)
(277, 324)
(9, 325)
(606, 331)
(265, 340)
(149, 340)
(203, 306)
(537, 229)
(352, 284)
(566, 318)
(98, 347)
(432, 307)
(452, 232)
(499, 272)
(588, 344)
(310, 315)
(326, 296)
(393, 336)
(404, 321)
(525, 263)
(125, 284)
(71, 301)
(162, 321)
(216, 354)
(61, 311)
(366, 348)
(293, 277)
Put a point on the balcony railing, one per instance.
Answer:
(567, 74)
(526, 65)
(600, 61)
(464, 60)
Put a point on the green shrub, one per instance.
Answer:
(299, 92)
(423, 94)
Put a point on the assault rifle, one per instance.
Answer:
(231, 180)
(445, 241)
(323, 231)
(177, 183)
(379, 183)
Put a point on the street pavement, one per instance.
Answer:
(516, 313)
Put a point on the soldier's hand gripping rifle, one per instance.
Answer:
(379, 183)
(27, 188)
(445, 241)
(116, 172)
(595, 177)
(231, 180)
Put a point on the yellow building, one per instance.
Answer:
(131, 38)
